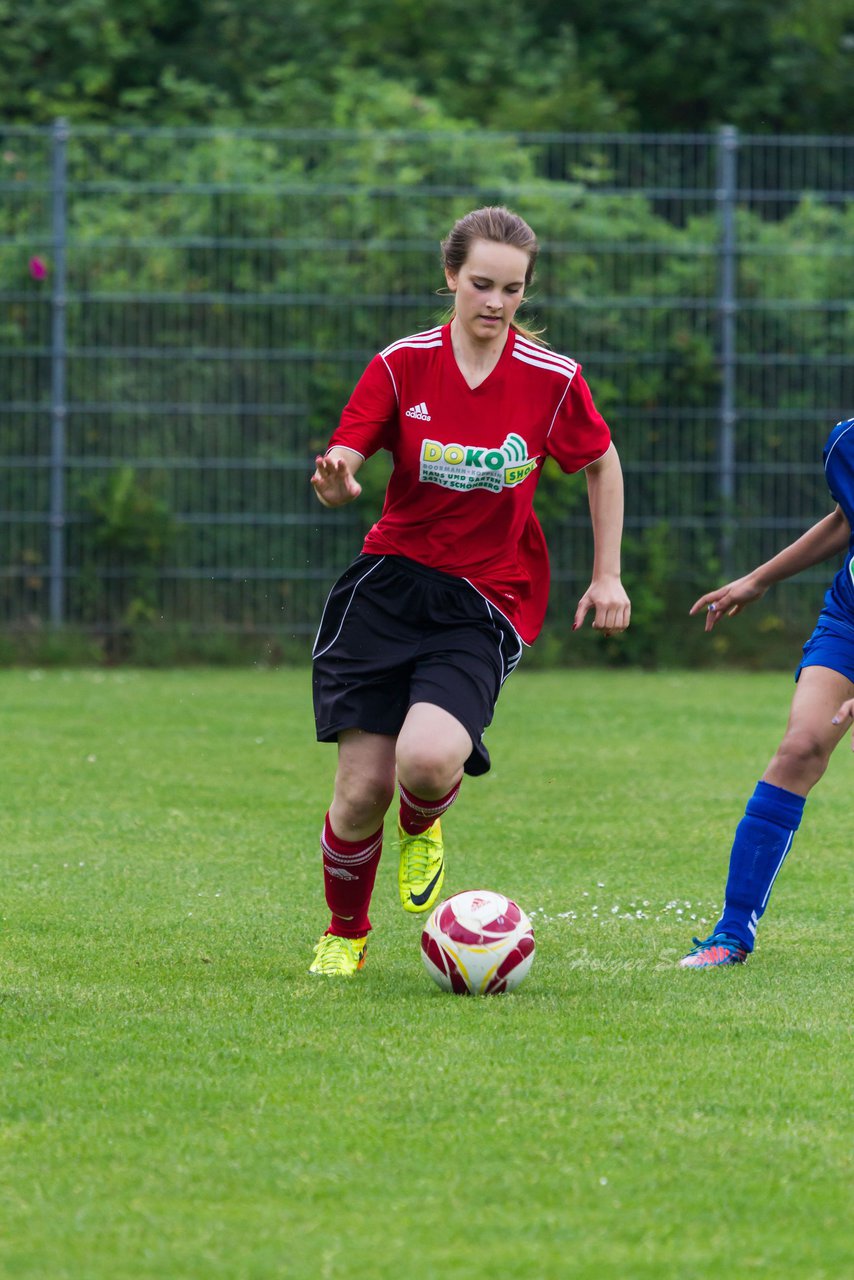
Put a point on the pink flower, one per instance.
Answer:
(38, 270)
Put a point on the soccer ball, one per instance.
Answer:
(477, 943)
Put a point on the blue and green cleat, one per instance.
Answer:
(712, 952)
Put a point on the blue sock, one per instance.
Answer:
(762, 840)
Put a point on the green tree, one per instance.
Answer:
(764, 65)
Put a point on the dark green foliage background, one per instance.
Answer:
(667, 65)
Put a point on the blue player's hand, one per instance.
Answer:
(845, 716)
(726, 602)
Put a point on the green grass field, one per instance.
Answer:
(181, 1099)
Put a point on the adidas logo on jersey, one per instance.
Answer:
(419, 411)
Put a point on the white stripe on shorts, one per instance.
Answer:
(356, 585)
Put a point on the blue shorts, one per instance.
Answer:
(828, 648)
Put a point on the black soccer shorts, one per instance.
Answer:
(395, 632)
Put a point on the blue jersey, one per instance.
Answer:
(838, 611)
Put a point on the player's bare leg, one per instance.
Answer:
(811, 736)
(364, 783)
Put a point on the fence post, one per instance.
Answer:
(59, 177)
(727, 190)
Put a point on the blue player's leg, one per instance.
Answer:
(811, 735)
(773, 814)
(845, 717)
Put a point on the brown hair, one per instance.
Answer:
(500, 225)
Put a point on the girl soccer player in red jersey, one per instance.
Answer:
(822, 709)
(419, 634)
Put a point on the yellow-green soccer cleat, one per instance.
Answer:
(422, 867)
(339, 957)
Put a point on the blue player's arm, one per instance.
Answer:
(828, 537)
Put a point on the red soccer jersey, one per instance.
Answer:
(467, 460)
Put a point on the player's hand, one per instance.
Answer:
(728, 601)
(612, 609)
(845, 716)
(333, 482)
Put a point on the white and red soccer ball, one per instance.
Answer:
(478, 943)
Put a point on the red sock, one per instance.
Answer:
(349, 871)
(416, 815)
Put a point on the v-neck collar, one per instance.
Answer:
(506, 353)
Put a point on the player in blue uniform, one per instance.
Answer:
(822, 709)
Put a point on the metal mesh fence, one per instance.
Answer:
(184, 312)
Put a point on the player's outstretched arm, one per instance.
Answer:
(845, 715)
(334, 480)
(828, 537)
